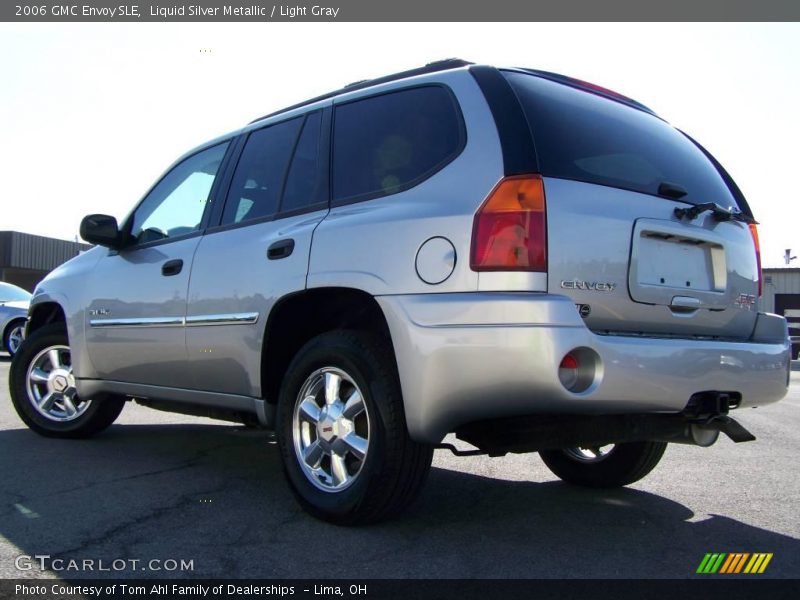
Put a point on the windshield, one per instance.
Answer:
(11, 293)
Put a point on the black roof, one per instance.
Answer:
(456, 63)
(434, 67)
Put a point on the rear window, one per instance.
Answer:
(582, 136)
(388, 143)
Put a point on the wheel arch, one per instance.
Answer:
(44, 313)
(11, 321)
(297, 318)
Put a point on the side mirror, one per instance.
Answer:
(101, 230)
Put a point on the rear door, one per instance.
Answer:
(614, 177)
(257, 253)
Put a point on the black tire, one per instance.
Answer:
(7, 335)
(99, 415)
(395, 467)
(623, 465)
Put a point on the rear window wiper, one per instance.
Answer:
(720, 213)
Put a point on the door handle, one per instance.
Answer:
(171, 267)
(684, 305)
(280, 249)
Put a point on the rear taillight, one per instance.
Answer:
(754, 233)
(509, 232)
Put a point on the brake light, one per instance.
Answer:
(509, 231)
(754, 233)
(603, 91)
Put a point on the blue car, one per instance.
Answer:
(14, 303)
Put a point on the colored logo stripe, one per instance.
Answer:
(758, 563)
(724, 563)
(711, 563)
(735, 562)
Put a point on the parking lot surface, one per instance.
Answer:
(163, 486)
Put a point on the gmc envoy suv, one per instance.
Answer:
(531, 262)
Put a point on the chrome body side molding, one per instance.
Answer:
(192, 321)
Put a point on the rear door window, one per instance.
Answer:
(303, 182)
(256, 186)
(585, 137)
(388, 143)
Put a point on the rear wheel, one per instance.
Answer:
(43, 391)
(613, 465)
(13, 335)
(346, 451)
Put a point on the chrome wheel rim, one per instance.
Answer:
(590, 454)
(51, 385)
(330, 430)
(15, 337)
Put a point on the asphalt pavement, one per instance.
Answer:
(158, 486)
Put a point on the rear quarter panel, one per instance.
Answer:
(372, 245)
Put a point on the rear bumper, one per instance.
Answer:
(476, 356)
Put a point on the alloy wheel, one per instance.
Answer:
(15, 337)
(590, 454)
(330, 429)
(50, 384)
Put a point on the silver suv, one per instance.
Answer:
(531, 262)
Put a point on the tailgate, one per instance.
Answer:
(634, 267)
(614, 175)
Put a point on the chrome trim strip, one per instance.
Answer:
(192, 321)
(222, 319)
(137, 322)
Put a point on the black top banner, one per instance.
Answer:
(398, 11)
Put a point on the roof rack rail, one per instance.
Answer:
(432, 67)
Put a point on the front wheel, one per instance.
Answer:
(614, 465)
(346, 451)
(43, 390)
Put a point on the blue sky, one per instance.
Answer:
(91, 114)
